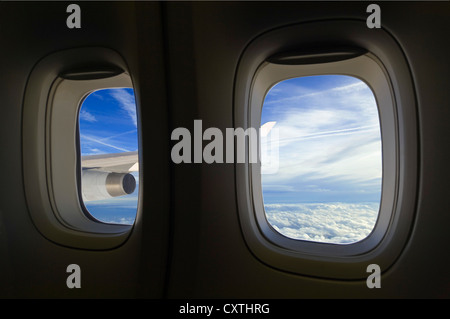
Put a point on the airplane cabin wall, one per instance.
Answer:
(188, 242)
(31, 265)
(210, 257)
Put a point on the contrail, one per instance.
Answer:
(331, 133)
(315, 93)
(117, 135)
(103, 143)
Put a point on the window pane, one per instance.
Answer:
(109, 155)
(328, 184)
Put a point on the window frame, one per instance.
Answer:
(399, 143)
(62, 130)
(54, 94)
(366, 69)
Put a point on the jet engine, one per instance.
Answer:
(97, 185)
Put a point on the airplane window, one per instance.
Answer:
(327, 187)
(109, 155)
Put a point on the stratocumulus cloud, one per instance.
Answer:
(338, 223)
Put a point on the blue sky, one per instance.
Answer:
(108, 124)
(327, 186)
(329, 141)
(329, 158)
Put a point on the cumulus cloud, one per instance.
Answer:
(337, 223)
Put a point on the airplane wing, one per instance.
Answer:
(108, 175)
(117, 162)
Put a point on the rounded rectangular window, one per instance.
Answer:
(108, 142)
(328, 182)
(331, 191)
(81, 149)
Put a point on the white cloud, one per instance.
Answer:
(120, 220)
(127, 103)
(93, 151)
(338, 223)
(278, 188)
(326, 134)
(116, 210)
(298, 94)
(131, 132)
(86, 116)
(96, 140)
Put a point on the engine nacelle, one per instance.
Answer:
(97, 185)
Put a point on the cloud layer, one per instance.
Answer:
(328, 183)
(337, 223)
